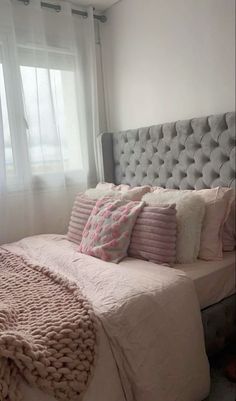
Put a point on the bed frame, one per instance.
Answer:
(190, 154)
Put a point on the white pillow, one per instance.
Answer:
(190, 212)
(133, 194)
(97, 193)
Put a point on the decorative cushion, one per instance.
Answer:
(105, 185)
(154, 235)
(108, 229)
(218, 202)
(84, 204)
(98, 193)
(124, 191)
(108, 185)
(190, 212)
(229, 230)
(81, 211)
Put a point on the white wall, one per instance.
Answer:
(168, 59)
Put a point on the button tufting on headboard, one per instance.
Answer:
(197, 153)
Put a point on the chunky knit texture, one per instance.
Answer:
(48, 331)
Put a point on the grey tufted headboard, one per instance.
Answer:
(197, 153)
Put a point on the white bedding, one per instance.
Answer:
(213, 280)
(151, 344)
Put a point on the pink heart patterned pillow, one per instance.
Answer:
(108, 229)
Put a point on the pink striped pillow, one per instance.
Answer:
(81, 211)
(154, 235)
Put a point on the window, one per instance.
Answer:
(51, 118)
(48, 133)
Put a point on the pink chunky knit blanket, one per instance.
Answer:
(48, 331)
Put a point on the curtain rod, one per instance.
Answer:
(101, 18)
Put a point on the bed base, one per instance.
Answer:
(219, 323)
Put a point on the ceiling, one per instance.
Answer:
(98, 4)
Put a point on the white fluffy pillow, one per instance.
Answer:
(133, 194)
(97, 193)
(190, 212)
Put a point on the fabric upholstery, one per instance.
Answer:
(154, 235)
(189, 154)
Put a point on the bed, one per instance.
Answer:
(145, 342)
(190, 154)
(149, 314)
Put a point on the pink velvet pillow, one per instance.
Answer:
(218, 204)
(229, 230)
(154, 235)
(81, 211)
(108, 229)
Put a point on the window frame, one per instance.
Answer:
(15, 110)
(23, 178)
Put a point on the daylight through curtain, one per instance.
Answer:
(48, 115)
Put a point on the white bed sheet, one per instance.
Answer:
(214, 280)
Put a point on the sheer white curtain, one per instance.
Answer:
(48, 115)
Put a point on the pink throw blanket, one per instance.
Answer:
(48, 331)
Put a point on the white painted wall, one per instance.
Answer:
(168, 59)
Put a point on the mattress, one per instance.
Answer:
(213, 280)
